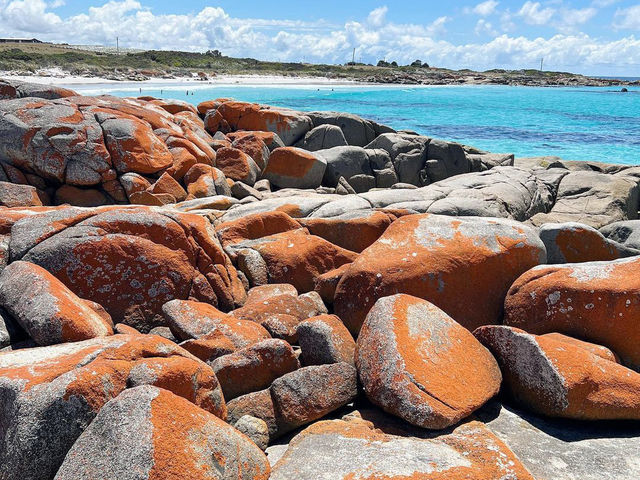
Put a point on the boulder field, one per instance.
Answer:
(238, 291)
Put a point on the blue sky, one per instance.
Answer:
(595, 37)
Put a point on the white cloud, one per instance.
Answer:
(534, 14)
(377, 17)
(484, 27)
(571, 18)
(486, 8)
(374, 37)
(627, 18)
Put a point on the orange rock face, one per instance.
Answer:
(158, 425)
(575, 242)
(229, 116)
(562, 380)
(298, 258)
(415, 362)
(599, 350)
(255, 226)
(48, 311)
(354, 231)
(443, 260)
(255, 147)
(254, 367)
(55, 391)
(209, 347)
(92, 141)
(291, 167)
(593, 301)
(188, 319)
(360, 449)
(130, 260)
(237, 165)
(205, 181)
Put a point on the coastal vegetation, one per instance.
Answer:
(136, 65)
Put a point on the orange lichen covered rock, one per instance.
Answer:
(167, 184)
(599, 350)
(270, 139)
(354, 231)
(14, 195)
(291, 167)
(255, 147)
(48, 395)
(92, 141)
(325, 339)
(296, 257)
(255, 226)
(254, 367)
(206, 181)
(188, 319)
(593, 301)
(160, 436)
(290, 125)
(237, 165)
(444, 260)
(359, 449)
(327, 283)
(558, 379)
(265, 292)
(131, 260)
(47, 310)
(209, 347)
(416, 362)
(575, 242)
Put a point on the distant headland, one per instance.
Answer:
(28, 57)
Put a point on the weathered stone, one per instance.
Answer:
(324, 339)
(254, 367)
(47, 310)
(138, 434)
(49, 395)
(594, 301)
(441, 259)
(416, 362)
(188, 319)
(310, 393)
(291, 167)
(360, 449)
(557, 379)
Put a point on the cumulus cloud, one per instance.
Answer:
(534, 14)
(627, 18)
(374, 37)
(483, 9)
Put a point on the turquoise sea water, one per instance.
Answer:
(582, 123)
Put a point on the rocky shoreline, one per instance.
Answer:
(185, 287)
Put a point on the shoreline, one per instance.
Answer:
(59, 77)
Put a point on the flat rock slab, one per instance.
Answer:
(565, 449)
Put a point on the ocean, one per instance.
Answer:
(581, 123)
